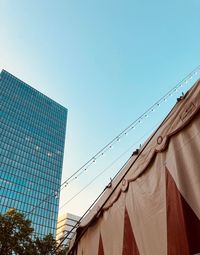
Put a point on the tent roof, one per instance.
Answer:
(181, 115)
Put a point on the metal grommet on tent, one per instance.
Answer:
(159, 139)
(124, 182)
(124, 185)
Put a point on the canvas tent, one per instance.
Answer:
(152, 207)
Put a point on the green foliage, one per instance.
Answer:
(48, 245)
(16, 237)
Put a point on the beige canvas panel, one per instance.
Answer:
(89, 242)
(146, 204)
(112, 238)
(112, 227)
(183, 162)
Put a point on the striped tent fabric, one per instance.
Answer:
(152, 206)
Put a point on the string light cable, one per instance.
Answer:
(122, 134)
(131, 127)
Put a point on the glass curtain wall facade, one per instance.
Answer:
(32, 135)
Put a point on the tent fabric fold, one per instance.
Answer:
(152, 206)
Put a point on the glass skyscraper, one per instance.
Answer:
(32, 136)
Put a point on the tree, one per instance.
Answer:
(15, 232)
(16, 237)
(49, 246)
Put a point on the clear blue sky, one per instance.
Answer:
(106, 61)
